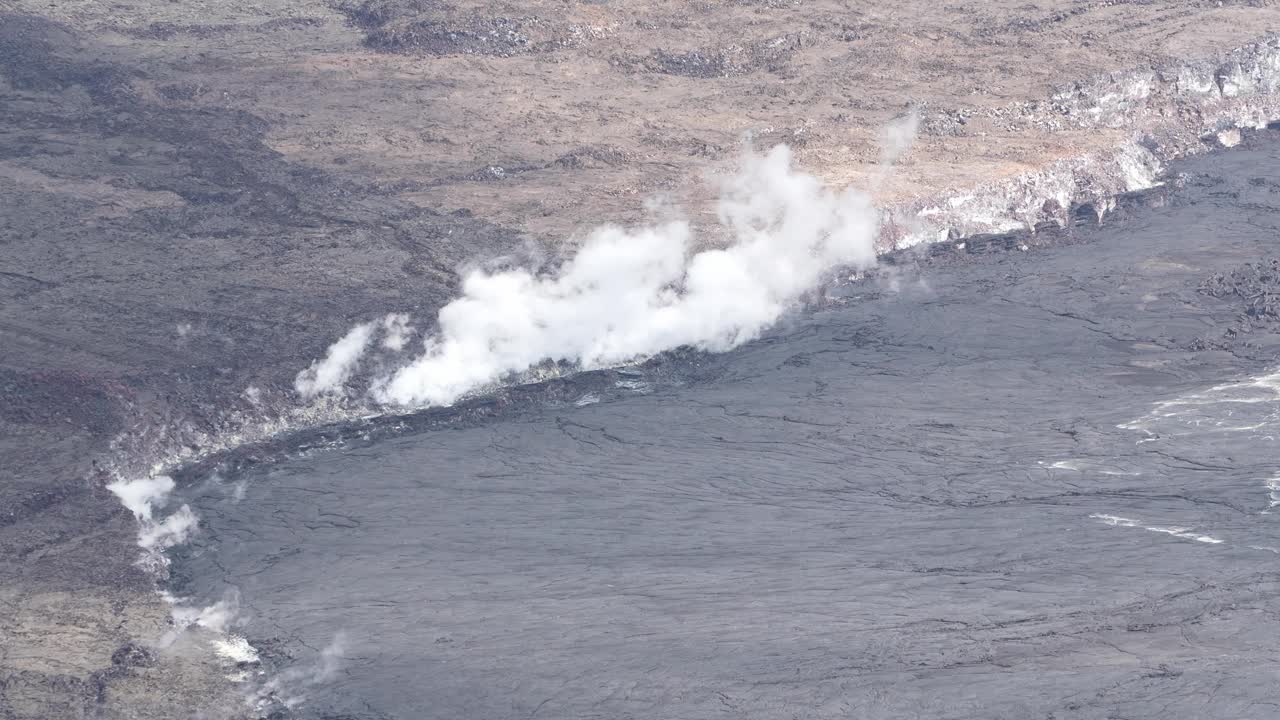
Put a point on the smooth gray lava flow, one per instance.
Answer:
(1015, 486)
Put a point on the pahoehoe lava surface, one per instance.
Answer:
(1010, 485)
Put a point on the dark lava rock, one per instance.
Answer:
(132, 655)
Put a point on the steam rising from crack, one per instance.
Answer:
(143, 497)
(897, 137)
(339, 363)
(289, 687)
(631, 293)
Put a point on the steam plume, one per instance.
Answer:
(897, 137)
(630, 293)
(144, 497)
(328, 375)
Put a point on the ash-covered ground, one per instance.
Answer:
(990, 483)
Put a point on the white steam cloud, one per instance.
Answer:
(396, 331)
(143, 497)
(631, 293)
(330, 374)
(217, 617)
(897, 137)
